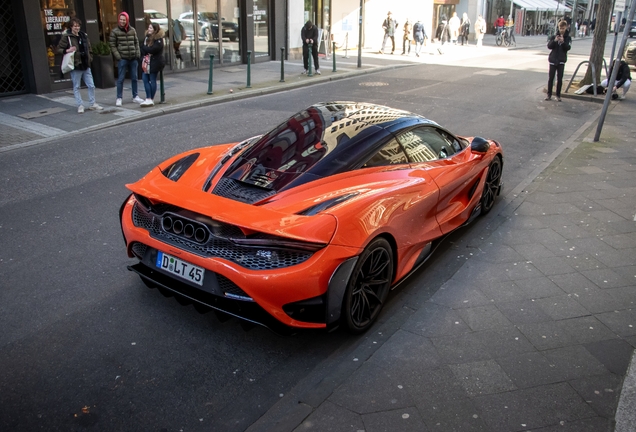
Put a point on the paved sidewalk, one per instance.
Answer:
(32, 119)
(534, 332)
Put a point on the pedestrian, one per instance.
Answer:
(499, 24)
(623, 80)
(389, 25)
(593, 25)
(419, 35)
(464, 29)
(178, 36)
(309, 35)
(75, 41)
(152, 47)
(480, 30)
(442, 33)
(406, 39)
(559, 45)
(125, 47)
(454, 23)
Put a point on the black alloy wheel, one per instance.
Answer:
(368, 286)
(493, 181)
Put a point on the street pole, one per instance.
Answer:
(612, 79)
(360, 35)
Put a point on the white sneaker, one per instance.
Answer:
(318, 71)
(147, 103)
(80, 109)
(621, 97)
(305, 72)
(96, 107)
(118, 102)
(137, 99)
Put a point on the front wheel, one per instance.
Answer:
(491, 188)
(499, 39)
(368, 286)
(506, 41)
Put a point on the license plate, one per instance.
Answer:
(180, 268)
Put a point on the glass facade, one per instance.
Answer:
(55, 15)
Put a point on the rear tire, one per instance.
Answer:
(368, 286)
(491, 188)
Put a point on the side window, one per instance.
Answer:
(390, 154)
(426, 144)
(454, 143)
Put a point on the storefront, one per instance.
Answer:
(195, 30)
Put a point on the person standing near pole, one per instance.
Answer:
(309, 35)
(559, 45)
(125, 47)
(389, 25)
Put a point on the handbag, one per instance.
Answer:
(68, 61)
(145, 63)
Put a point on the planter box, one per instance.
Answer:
(103, 71)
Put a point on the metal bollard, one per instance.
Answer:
(249, 70)
(162, 91)
(282, 64)
(333, 53)
(310, 57)
(210, 77)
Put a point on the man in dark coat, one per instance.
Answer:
(389, 25)
(623, 79)
(559, 45)
(309, 35)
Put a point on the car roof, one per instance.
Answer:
(321, 140)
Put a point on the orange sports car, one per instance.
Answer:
(311, 224)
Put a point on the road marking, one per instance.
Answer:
(29, 126)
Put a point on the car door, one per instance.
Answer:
(453, 167)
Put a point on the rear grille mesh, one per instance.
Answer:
(239, 191)
(248, 257)
(139, 249)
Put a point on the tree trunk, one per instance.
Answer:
(598, 43)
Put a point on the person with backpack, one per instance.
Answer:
(419, 35)
(76, 41)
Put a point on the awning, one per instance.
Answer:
(542, 5)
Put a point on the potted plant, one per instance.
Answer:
(102, 66)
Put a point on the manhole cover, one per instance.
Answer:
(374, 84)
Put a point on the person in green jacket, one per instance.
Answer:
(125, 47)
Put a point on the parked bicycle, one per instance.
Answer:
(506, 37)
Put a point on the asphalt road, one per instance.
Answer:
(85, 346)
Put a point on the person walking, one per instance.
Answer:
(74, 40)
(153, 48)
(178, 36)
(419, 35)
(464, 29)
(454, 23)
(559, 45)
(442, 34)
(125, 47)
(389, 25)
(480, 30)
(309, 35)
(623, 80)
(499, 24)
(406, 39)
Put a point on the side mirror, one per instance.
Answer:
(479, 145)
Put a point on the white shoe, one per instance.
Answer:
(318, 71)
(137, 99)
(305, 72)
(80, 109)
(621, 97)
(118, 102)
(147, 103)
(96, 107)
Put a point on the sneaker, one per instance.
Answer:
(147, 103)
(621, 97)
(558, 99)
(118, 102)
(80, 109)
(96, 107)
(305, 72)
(137, 99)
(318, 71)
(548, 98)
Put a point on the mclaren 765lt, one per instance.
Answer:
(311, 224)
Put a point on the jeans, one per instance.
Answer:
(386, 38)
(558, 70)
(150, 84)
(121, 74)
(76, 77)
(625, 85)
